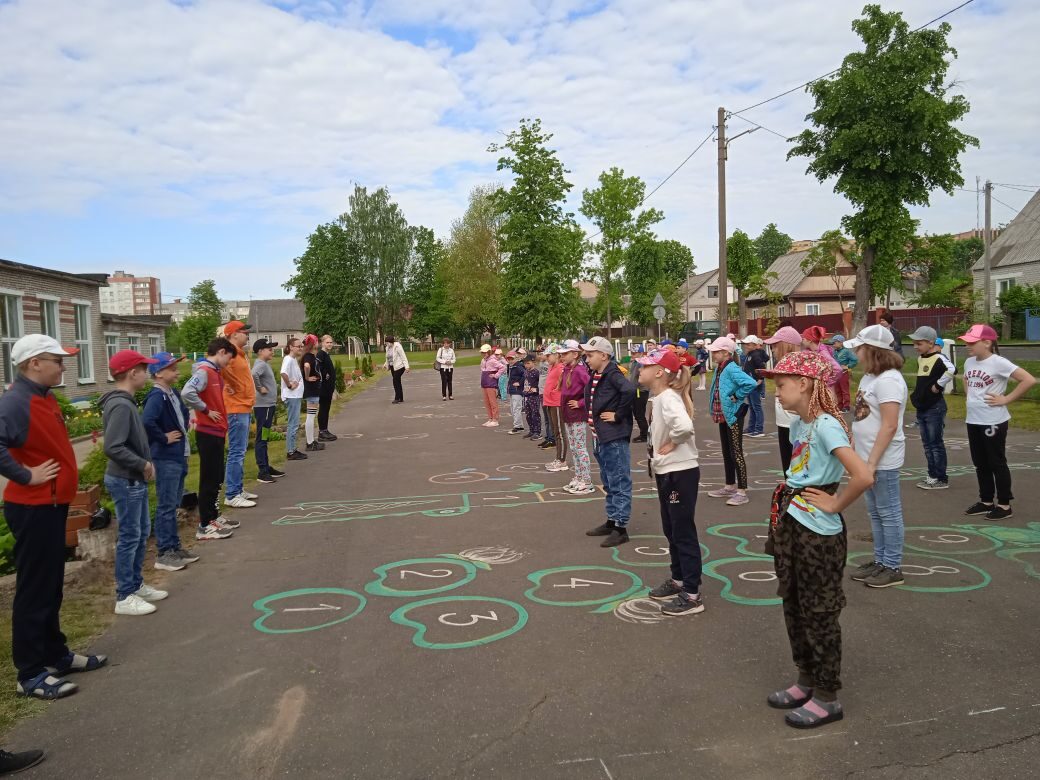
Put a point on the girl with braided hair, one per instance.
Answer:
(807, 537)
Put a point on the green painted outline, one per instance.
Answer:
(419, 637)
(377, 587)
(616, 552)
(1013, 555)
(536, 578)
(727, 583)
(261, 606)
(742, 543)
(986, 579)
(954, 548)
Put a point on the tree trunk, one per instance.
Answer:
(609, 320)
(863, 295)
(741, 314)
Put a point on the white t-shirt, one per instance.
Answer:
(784, 418)
(874, 390)
(291, 369)
(671, 422)
(987, 377)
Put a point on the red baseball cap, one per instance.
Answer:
(125, 359)
(665, 358)
(235, 326)
(978, 333)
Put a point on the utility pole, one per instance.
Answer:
(987, 291)
(723, 283)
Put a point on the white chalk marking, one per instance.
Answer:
(607, 771)
(319, 608)
(574, 761)
(817, 736)
(909, 723)
(645, 753)
(986, 712)
(577, 582)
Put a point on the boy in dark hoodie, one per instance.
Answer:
(165, 419)
(532, 398)
(127, 476)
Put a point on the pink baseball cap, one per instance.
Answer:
(978, 333)
(664, 358)
(723, 344)
(786, 335)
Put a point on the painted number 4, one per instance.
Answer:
(580, 583)
(491, 615)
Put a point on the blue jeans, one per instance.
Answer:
(615, 470)
(756, 418)
(931, 423)
(292, 427)
(131, 500)
(886, 518)
(264, 421)
(169, 490)
(237, 441)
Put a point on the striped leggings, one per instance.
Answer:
(556, 426)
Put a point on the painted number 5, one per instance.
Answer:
(491, 615)
(434, 573)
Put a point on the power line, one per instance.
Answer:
(1002, 203)
(763, 127)
(836, 70)
(1019, 187)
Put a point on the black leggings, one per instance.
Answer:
(732, 437)
(446, 382)
(783, 435)
(987, 443)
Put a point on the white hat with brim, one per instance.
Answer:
(485, 348)
(872, 336)
(598, 344)
(36, 344)
(752, 339)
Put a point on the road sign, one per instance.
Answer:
(659, 311)
(659, 300)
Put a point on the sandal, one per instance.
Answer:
(812, 715)
(789, 698)
(45, 686)
(74, 662)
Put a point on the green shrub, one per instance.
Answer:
(92, 470)
(6, 547)
(68, 411)
(341, 381)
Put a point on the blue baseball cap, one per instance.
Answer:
(836, 338)
(682, 343)
(638, 348)
(163, 360)
(666, 341)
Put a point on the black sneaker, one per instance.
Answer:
(547, 445)
(296, 455)
(978, 508)
(276, 473)
(515, 431)
(683, 604)
(267, 479)
(999, 514)
(639, 440)
(666, 591)
(884, 577)
(315, 446)
(602, 530)
(865, 570)
(528, 436)
(327, 436)
(16, 762)
(617, 536)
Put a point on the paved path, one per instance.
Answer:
(339, 635)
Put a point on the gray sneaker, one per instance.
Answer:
(865, 570)
(666, 591)
(884, 578)
(169, 561)
(188, 556)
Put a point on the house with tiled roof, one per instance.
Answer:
(1014, 255)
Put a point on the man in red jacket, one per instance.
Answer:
(37, 458)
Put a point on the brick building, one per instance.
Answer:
(67, 306)
(128, 295)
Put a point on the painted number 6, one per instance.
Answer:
(491, 615)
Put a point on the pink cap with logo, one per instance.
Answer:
(979, 333)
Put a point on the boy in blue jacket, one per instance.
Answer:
(165, 420)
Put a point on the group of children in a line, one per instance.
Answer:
(818, 448)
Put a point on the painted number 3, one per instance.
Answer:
(491, 615)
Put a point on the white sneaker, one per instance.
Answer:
(148, 593)
(133, 605)
(487, 424)
(493, 423)
(552, 465)
(723, 492)
(573, 483)
(250, 496)
(582, 490)
(226, 523)
(239, 502)
(562, 466)
(211, 531)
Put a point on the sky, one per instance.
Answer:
(194, 139)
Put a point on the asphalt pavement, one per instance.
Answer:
(420, 601)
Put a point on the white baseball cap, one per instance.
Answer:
(599, 344)
(751, 339)
(485, 348)
(38, 344)
(873, 336)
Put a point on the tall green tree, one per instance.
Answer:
(205, 314)
(612, 207)
(427, 296)
(884, 129)
(472, 266)
(966, 253)
(771, 244)
(541, 241)
(653, 267)
(743, 268)
(330, 281)
(676, 261)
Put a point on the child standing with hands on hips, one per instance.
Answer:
(807, 537)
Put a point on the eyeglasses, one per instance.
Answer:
(59, 361)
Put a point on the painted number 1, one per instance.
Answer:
(580, 583)
(434, 573)
(491, 615)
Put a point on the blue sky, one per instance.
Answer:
(206, 138)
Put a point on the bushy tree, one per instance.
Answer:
(329, 279)
(427, 296)
(472, 265)
(205, 313)
(743, 269)
(771, 244)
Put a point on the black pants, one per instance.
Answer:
(39, 559)
(987, 443)
(446, 374)
(783, 435)
(732, 439)
(211, 474)
(639, 412)
(397, 373)
(324, 407)
(547, 424)
(677, 493)
(264, 420)
(809, 572)
(556, 430)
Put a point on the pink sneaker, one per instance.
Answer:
(723, 492)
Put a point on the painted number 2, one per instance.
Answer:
(434, 573)
(491, 615)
